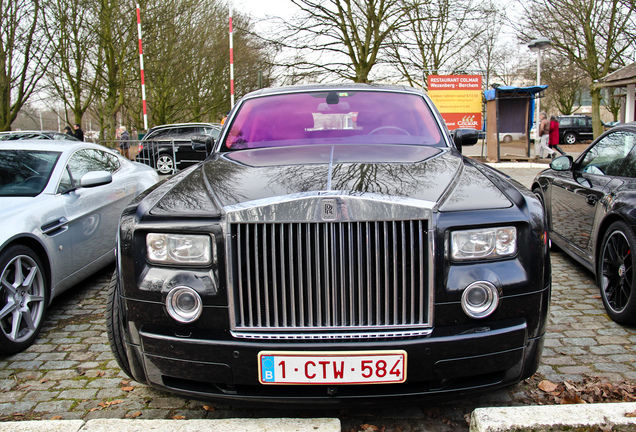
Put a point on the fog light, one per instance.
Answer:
(480, 299)
(184, 304)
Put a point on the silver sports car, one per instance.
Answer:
(60, 203)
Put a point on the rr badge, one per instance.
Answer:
(329, 209)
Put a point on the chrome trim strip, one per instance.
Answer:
(331, 336)
(305, 207)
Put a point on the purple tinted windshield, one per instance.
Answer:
(334, 117)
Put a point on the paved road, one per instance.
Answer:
(70, 372)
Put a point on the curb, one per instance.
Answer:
(553, 417)
(223, 425)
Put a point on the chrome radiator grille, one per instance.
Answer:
(335, 276)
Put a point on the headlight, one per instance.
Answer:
(484, 243)
(181, 249)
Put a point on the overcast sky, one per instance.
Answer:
(261, 8)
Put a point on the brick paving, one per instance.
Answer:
(70, 373)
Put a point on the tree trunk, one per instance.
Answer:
(597, 124)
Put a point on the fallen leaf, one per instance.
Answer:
(571, 400)
(127, 389)
(368, 428)
(631, 414)
(178, 417)
(547, 386)
(109, 403)
(57, 417)
(208, 408)
(136, 414)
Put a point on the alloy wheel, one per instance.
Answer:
(22, 299)
(165, 164)
(617, 271)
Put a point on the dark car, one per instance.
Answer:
(575, 128)
(36, 135)
(168, 148)
(590, 206)
(336, 247)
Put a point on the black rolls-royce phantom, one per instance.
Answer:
(334, 247)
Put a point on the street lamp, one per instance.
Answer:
(537, 45)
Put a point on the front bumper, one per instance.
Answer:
(451, 360)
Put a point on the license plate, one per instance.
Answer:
(331, 367)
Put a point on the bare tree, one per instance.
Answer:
(437, 37)
(115, 28)
(509, 62)
(566, 83)
(595, 35)
(71, 75)
(486, 49)
(23, 55)
(188, 77)
(342, 38)
(612, 101)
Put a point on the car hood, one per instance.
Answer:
(415, 172)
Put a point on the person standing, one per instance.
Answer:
(554, 135)
(124, 144)
(68, 131)
(544, 137)
(78, 133)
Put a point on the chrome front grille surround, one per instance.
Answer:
(329, 279)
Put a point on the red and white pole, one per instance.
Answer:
(141, 64)
(231, 63)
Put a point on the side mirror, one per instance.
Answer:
(465, 137)
(95, 178)
(202, 142)
(562, 163)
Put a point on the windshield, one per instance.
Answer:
(334, 117)
(25, 172)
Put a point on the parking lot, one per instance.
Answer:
(70, 373)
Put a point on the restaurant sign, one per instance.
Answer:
(458, 98)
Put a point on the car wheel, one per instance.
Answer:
(615, 273)
(24, 297)
(114, 328)
(569, 138)
(165, 164)
(507, 139)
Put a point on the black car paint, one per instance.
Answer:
(177, 146)
(203, 359)
(585, 205)
(575, 127)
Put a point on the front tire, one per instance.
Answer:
(616, 275)
(24, 296)
(569, 138)
(113, 326)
